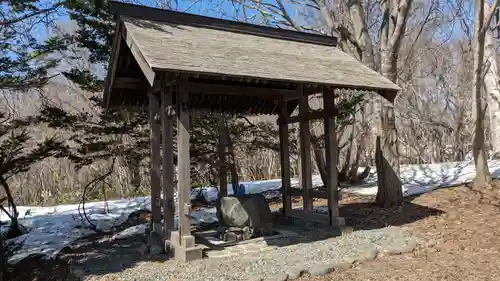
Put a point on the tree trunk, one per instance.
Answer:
(395, 15)
(133, 165)
(459, 147)
(389, 187)
(491, 81)
(344, 171)
(386, 197)
(319, 156)
(483, 177)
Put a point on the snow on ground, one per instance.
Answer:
(419, 179)
(52, 228)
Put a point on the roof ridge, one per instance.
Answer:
(169, 16)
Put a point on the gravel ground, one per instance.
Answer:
(456, 230)
(359, 245)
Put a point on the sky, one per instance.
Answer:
(226, 9)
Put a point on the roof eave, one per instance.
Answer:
(113, 60)
(390, 94)
(145, 66)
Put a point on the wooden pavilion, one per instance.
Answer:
(177, 63)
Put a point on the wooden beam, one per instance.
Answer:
(308, 90)
(221, 89)
(154, 111)
(331, 158)
(311, 115)
(206, 88)
(137, 83)
(305, 152)
(168, 159)
(115, 52)
(130, 83)
(183, 164)
(291, 96)
(284, 157)
(141, 61)
(222, 152)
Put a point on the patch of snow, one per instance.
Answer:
(53, 228)
(131, 231)
(418, 179)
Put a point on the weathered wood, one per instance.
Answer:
(305, 152)
(130, 83)
(313, 115)
(221, 89)
(3, 256)
(309, 89)
(147, 70)
(139, 82)
(113, 63)
(331, 158)
(154, 111)
(167, 160)
(183, 161)
(284, 157)
(221, 148)
(207, 88)
(219, 52)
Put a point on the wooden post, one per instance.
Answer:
(331, 156)
(3, 263)
(154, 114)
(183, 161)
(182, 240)
(284, 157)
(305, 150)
(168, 159)
(222, 157)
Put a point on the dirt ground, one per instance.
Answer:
(456, 229)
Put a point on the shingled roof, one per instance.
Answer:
(163, 41)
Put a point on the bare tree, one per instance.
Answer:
(492, 87)
(484, 15)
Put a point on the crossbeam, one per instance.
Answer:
(311, 115)
(220, 89)
(208, 88)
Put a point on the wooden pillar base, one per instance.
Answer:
(184, 247)
(337, 221)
